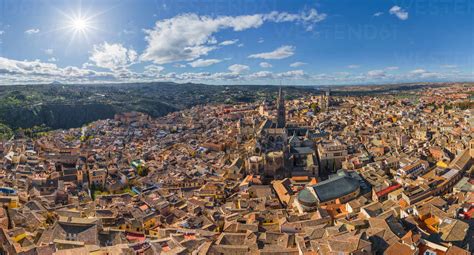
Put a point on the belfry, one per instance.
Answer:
(281, 113)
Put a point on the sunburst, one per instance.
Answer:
(79, 25)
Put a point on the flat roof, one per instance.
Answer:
(448, 175)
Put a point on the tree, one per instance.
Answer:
(314, 107)
(5, 132)
(142, 171)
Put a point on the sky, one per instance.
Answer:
(326, 42)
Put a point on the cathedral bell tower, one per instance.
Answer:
(281, 113)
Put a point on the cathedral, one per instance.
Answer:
(325, 101)
(280, 150)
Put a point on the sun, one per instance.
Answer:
(80, 24)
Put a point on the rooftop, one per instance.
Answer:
(335, 187)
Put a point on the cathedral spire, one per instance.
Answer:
(281, 113)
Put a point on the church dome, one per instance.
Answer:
(306, 198)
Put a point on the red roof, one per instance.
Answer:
(469, 213)
(135, 236)
(385, 191)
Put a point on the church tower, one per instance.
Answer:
(327, 99)
(281, 117)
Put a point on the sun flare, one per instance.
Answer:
(80, 24)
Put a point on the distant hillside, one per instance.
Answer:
(59, 105)
(71, 115)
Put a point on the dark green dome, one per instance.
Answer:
(305, 197)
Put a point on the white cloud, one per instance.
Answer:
(203, 76)
(260, 40)
(376, 74)
(418, 71)
(204, 62)
(353, 66)
(32, 31)
(422, 73)
(153, 69)
(399, 12)
(280, 53)
(391, 68)
(237, 68)
(294, 74)
(307, 19)
(297, 64)
(265, 65)
(187, 37)
(261, 75)
(301, 77)
(229, 42)
(52, 59)
(377, 14)
(49, 51)
(179, 65)
(240, 45)
(112, 56)
(21, 72)
(212, 40)
(2, 32)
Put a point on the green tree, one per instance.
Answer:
(5, 132)
(314, 107)
(141, 170)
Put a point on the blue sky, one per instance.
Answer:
(236, 42)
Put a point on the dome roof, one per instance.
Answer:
(335, 188)
(305, 197)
